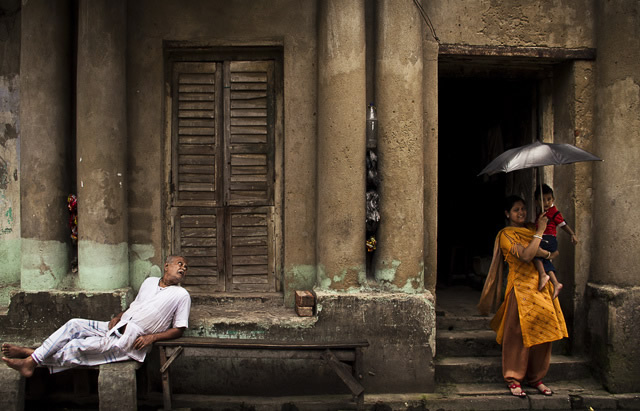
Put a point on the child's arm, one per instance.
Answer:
(568, 230)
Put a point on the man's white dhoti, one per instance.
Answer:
(79, 342)
(88, 342)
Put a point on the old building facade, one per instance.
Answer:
(233, 132)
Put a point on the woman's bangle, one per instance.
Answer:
(537, 236)
(549, 256)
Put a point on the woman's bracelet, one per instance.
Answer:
(537, 236)
(549, 256)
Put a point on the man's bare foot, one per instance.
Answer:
(24, 366)
(556, 290)
(544, 279)
(16, 351)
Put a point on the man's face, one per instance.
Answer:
(175, 271)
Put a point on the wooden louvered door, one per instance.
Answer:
(222, 188)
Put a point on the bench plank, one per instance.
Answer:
(256, 344)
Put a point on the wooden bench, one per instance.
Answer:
(345, 359)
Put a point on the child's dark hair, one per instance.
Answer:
(510, 201)
(545, 190)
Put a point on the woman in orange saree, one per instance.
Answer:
(528, 320)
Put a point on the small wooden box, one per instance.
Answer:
(305, 299)
(304, 311)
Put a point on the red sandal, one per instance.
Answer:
(545, 391)
(513, 387)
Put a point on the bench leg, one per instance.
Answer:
(357, 373)
(166, 387)
(346, 374)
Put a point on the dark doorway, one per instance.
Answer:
(479, 118)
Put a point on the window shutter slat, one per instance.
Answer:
(249, 150)
(196, 151)
(250, 255)
(197, 232)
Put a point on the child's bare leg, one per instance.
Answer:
(543, 277)
(557, 286)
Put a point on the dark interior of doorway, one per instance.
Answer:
(479, 118)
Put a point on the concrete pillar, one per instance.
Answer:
(399, 96)
(45, 123)
(430, 121)
(341, 144)
(618, 132)
(102, 145)
(614, 292)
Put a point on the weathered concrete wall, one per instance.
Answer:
(567, 24)
(288, 23)
(9, 146)
(400, 328)
(34, 315)
(615, 257)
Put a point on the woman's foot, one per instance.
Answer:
(544, 279)
(542, 388)
(516, 390)
(16, 351)
(556, 290)
(25, 366)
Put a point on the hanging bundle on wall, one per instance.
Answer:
(373, 180)
(72, 205)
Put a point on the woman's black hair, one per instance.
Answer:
(510, 201)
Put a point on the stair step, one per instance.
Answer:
(573, 394)
(467, 343)
(461, 323)
(489, 369)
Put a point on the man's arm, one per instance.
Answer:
(146, 340)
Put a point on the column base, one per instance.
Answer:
(613, 337)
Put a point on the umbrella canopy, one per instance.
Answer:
(537, 154)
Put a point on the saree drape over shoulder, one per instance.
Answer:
(541, 318)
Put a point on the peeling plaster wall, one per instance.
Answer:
(514, 23)
(9, 147)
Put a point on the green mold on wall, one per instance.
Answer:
(140, 265)
(10, 257)
(44, 264)
(103, 266)
(387, 274)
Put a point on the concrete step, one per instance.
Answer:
(489, 369)
(445, 321)
(574, 394)
(467, 343)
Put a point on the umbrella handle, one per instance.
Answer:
(540, 182)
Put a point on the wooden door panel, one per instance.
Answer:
(222, 181)
(198, 236)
